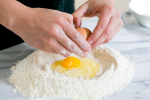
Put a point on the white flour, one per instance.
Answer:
(32, 76)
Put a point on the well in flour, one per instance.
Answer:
(32, 76)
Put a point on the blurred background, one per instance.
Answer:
(121, 5)
(138, 12)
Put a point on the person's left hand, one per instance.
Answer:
(109, 20)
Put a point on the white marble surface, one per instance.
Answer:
(133, 42)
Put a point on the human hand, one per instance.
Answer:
(50, 31)
(109, 20)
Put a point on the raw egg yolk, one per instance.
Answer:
(70, 62)
(77, 67)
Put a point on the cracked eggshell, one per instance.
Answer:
(85, 32)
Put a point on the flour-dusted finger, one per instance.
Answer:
(75, 36)
(58, 47)
(69, 44)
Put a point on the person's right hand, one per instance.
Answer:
(50, 31)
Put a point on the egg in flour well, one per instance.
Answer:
(77, 67)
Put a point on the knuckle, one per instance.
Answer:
(71, 17)
(54, 31)
(68, 17)
(118, 15)
(109, 8)
(76, 19)
(42, 46)
(108, 40)
(95, 44)
(103, 25)
(107, 33)
(95, 36)
(50, 43)
(60, 20)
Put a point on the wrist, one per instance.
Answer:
(10, 12)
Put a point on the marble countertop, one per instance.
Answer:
(133, 42)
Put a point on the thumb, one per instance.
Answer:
(78, 14)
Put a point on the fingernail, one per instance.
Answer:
(86, 47)
(89, 49)
(90, 42)
(83, 55)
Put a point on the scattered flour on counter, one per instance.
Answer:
(13, 90)
(33, 78)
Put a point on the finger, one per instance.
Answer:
(69, 44)
(104, 18)
(110, 37)
(106, 33)
(58, 48)
(78, 14)
(68, 17)
(117, 28)
(44, 48)
(71, 32)
(50, 50)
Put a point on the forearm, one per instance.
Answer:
(10, 10)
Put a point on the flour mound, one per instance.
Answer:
(32, 76)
